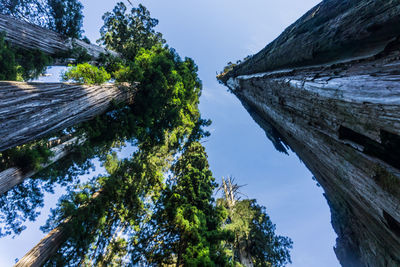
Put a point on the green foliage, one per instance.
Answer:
(31, 63)
(130, 123)
(267, 247)
(62, 16)
(186, 227)
(100, 227)
(27, 157)
(66, 17)
(80, 54)
(87, 74)
(168, 92)
(8, 66)
(112, 64)
(19, 64)
(254, 234)
(23, 201)
(127, 33)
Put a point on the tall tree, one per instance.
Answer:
(166, 99)
(255, 242)
(186, 227)
(102, 214)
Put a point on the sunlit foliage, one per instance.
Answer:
(87, 74)
(185, 229)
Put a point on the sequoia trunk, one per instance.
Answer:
(329, 89)
(29, 36)
(29, 111)
(42, 252)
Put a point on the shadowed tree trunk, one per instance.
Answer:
(29, 111)
(14, 176)
(329, 89)
(30, 36)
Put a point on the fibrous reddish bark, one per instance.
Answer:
(29, 111)
(329, 89)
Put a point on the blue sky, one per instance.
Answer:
(214, 33)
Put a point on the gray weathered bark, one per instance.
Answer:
(331, 31)
(29, 111)
(14, 176)
(341, 116)
(244, 256)
(30, 36)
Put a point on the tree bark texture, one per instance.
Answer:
(14, 176)
(340, 114)
(29, 111)
(42, 252)
(334, 30)
(30, 36)
(343, 140)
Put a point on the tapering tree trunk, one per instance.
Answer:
(30, 36)
(29, 111)
(49, 245)
(14, 176)
(341, 116)
(42, 252)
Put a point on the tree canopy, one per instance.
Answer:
(186, 227)
(255, 242)
(128, 32)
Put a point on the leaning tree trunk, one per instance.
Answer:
(341, 116)
(14, 176)
(29, 111)
(30, 36)
(49, 245)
